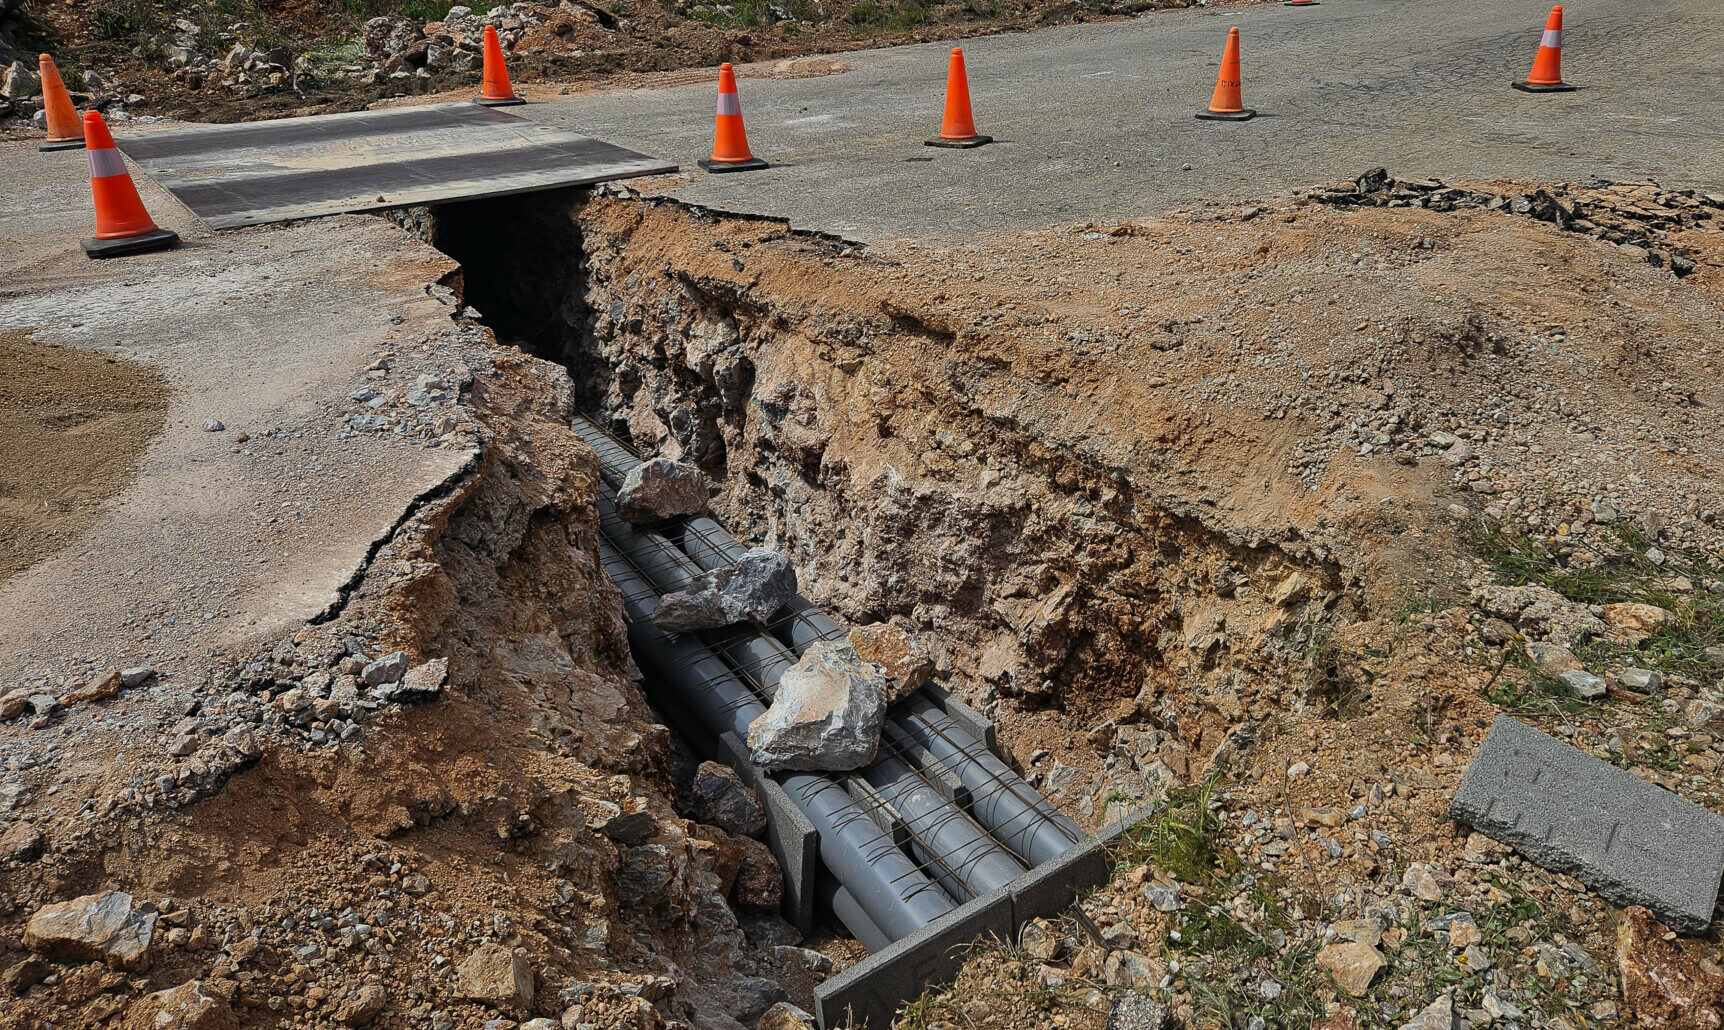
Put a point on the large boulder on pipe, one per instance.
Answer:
(826, 714)
(754, 587)
(661, 490)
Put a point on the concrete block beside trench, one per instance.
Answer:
(871, 991)
(791, 836)
(1632, 841)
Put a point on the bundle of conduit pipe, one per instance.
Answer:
(880, 890)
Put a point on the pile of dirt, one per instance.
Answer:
(75, 423)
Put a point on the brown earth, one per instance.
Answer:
(75, 422)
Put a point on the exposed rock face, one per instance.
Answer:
(1662, 988)
(753, 588)
(721, 799)
(826, 715)
(498, 976)
(190, 1006)
(96, 927)
(907, 663)
(661, 489)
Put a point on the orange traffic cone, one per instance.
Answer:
(497, 91)
(1226, 105)
(65, 128)
(1546, 74)
(958, 129)
(730, 151)
(122, 224)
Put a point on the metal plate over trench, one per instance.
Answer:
(258, 172)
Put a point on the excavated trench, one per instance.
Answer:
(868, 438)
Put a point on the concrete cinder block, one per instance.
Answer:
(793, 839)
(1632, 841)
(870, 992)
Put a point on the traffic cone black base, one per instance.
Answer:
(1227, 116)
(1534, 87)
(720, 167)
(1299, 3)
(157, 240)
(65, 144)
(960, 144)
(505, 102)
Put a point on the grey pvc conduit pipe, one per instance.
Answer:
(961, 855)
(845, 906)
(1017, 814)
(897, 896)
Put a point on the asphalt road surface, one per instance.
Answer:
(1096, 121)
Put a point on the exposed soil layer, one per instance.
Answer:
(75, 422)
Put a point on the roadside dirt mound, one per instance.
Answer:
(75, 422)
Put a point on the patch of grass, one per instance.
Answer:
(123, 21)
(1618, 569)
(1179, 839)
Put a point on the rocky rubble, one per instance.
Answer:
(1639, 217)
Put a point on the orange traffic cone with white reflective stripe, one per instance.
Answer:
(122, 224)
(1227, 105)
(958, 128)
(730, 151)
(1546, 74)
(497, 91)
(65, 128)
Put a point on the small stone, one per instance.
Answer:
(497, 976)
(422, 682)
(1131, 969)
(660, 490)
(1040, 940)
(19, 82)
(387, 669)
(213, 425)
(1582, 684)
(907, 663)
(1473, 959)
(1641, 681)
(1137, 1010)
(1438, 1015)
(94, 928)
(363, 1007)
(99, 689)
(721, 799)
(1422, 882)
(826, 714)
(785, 1016)
(24, 974)
(1359, 931)
(1553, 659)
(1635, 621)
(1163, 898)
(1352, 965)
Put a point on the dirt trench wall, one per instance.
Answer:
(916, 475)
